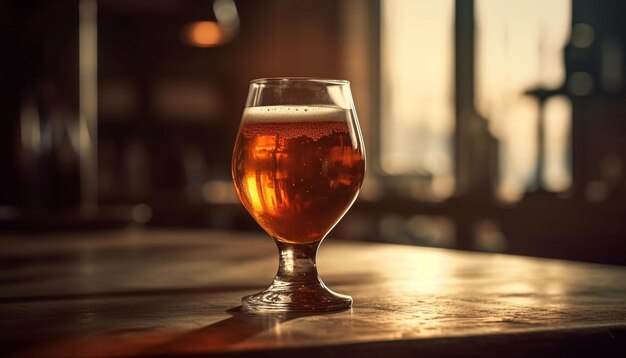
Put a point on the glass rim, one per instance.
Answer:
(273, 80)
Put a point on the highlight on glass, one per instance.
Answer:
(297, 166)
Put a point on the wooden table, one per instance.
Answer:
(133, 292)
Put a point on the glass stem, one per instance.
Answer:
(296, 265)
(297, 286)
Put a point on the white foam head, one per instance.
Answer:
(267, 114)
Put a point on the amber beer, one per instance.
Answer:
(297, 169)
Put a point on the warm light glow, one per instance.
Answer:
(417, 109)
(518, 149)
(519, 47)
(264, 146)
(265, 195)
(558, 121)
(270, 192)
(204, 34)
(214, 33)
(253, 193)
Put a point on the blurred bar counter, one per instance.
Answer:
(171, 293)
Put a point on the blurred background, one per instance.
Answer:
(490, 125)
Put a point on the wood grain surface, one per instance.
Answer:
(172, 293)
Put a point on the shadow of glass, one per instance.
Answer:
(201, 290)
(227, 333)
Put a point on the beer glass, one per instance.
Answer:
(298, 165)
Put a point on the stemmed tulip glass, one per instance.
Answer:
(298, 165)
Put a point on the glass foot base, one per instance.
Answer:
(292, 298)
(297, 286)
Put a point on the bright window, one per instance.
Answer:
(417, 94)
